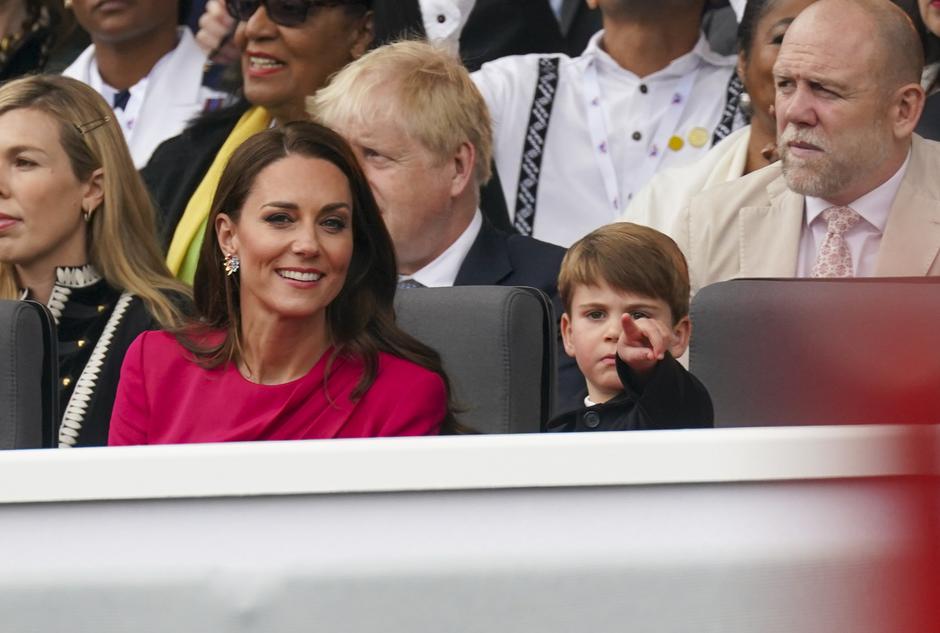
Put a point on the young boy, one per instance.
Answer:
(625, 289)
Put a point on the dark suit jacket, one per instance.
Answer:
(503, 259)
(494, 29)
(180, 163)
(578, 24)
(497, 28)
(671, 398)
(929, 124)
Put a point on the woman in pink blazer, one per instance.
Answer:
(295, 336)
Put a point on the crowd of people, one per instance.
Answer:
(218, 201)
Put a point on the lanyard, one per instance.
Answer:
(597, 126)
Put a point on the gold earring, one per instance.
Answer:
(86, 215)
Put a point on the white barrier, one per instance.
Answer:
(777, 530)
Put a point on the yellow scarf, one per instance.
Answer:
(191, 230)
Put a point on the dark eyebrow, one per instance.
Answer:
(335, 206)
(644, 306)
(293, 206)
(278, 204)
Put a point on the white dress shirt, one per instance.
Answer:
(160, 104)
(126, 116)
(863, 239)
(442, 272)
(444, 20)
(572, 197)
(738, 7)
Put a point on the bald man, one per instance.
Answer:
(856, 192)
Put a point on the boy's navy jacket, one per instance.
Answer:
(672, 398)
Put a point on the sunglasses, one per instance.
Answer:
(282, 12)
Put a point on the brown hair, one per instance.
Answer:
(121, 233)
(631, 258)
(361, 319)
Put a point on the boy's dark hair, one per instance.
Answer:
(630, 258)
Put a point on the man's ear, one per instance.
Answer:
(226, 234)
(93, 194)
(682, 331)
(464, 165)
(566, 338)
(908, 105)
(362, 34)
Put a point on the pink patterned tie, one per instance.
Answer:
(834, 258)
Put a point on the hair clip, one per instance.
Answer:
(91, 126)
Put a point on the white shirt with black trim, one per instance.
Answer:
(571, 198)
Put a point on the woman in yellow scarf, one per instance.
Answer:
(289, 50)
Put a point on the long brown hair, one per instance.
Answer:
(121, 233)
(361, 319)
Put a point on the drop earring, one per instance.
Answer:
(231, 264)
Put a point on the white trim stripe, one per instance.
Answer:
(77, 408)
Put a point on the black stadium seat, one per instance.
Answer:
(780, 352)
(29, 406)
(498, 348)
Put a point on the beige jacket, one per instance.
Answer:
(751, 227)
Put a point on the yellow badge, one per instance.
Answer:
(676, 143)
(698, 136)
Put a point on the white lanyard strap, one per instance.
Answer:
(600, 140)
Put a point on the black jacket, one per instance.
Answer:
(497, 28)
(672, 398)
(179, 164)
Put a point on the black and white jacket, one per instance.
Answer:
(95, 324)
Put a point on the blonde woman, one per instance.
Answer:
(77, 234)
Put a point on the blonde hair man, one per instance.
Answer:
(422, 133)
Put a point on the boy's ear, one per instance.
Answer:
(682, 331)
(566, 339)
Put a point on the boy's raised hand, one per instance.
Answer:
(643, 343)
